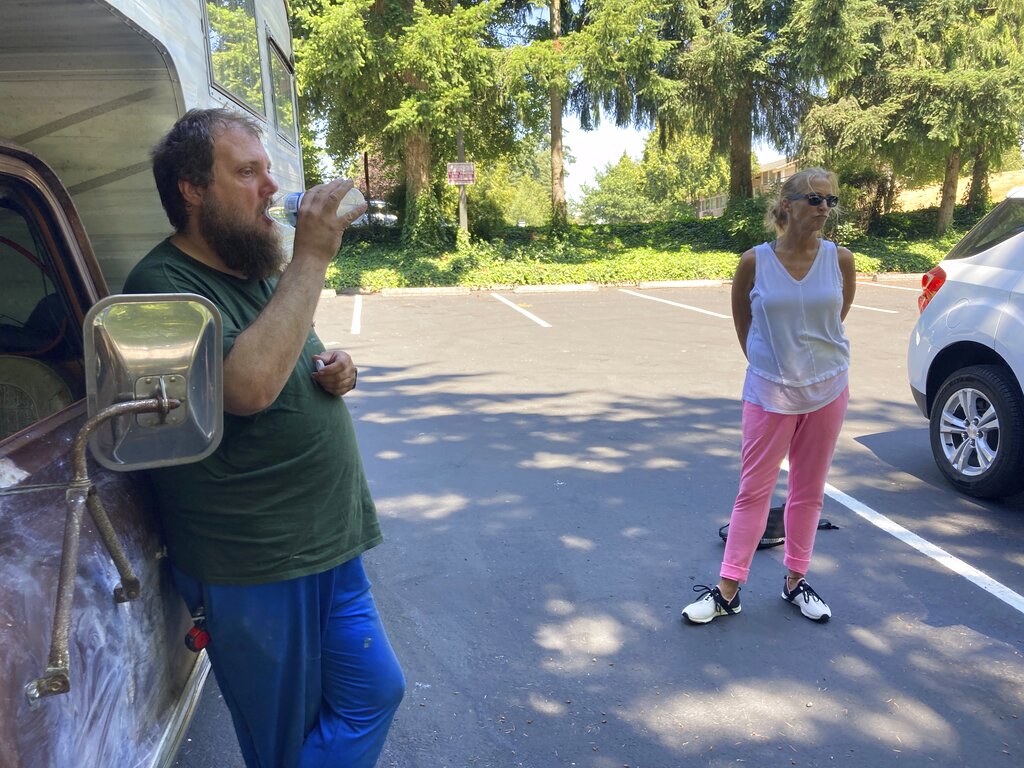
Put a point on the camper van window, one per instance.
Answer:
(40, 357)
(284, 105)
(235, 51)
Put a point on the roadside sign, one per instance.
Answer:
(461, 173)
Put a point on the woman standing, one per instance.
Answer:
(789, 300)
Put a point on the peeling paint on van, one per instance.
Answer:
(10, 473)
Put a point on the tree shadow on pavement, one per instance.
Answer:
(538, 549)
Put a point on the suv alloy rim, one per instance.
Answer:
(969, 432)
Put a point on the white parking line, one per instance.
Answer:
(522, 311)
(357, 316)
(675, 304)
(875, 309)
(883, 285)
(925, 547)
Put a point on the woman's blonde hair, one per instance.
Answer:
(797, 184)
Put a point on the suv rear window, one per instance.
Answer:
(1005, 221)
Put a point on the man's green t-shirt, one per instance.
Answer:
(284, 495)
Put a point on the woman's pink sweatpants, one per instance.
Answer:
(809, 439)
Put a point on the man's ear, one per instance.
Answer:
(191, 194)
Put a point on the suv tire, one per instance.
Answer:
(977, 431)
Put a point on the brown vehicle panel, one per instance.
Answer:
(130, 670)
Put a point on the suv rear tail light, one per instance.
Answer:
(931, 281)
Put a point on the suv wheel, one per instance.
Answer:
(977, 431)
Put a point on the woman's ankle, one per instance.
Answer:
(728, 588)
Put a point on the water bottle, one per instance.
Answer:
(285, 209)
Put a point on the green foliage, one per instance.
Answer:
(916, 225)
(234, 50)
(580, 255)
(679, 170)
(405, 79)
(451, 79)
(619, 195)
(744, 221)
(424, 230)
(935, 79)
(510, 191)
(897, 88)
(739, 71)
(311, 153)
(616, 53)
(674, 173)
(1010, 160)
(873, 255)
(608, 253)
(487, 201)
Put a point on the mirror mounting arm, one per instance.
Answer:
(81, 495)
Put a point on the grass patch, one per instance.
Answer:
(621, 254)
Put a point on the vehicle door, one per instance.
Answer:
(132, 679)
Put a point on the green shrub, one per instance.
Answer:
(614, 253)
(744, 221)
(919, 224)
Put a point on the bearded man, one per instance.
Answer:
(265, 536)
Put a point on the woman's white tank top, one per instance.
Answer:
(796, 337)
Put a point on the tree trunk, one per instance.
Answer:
(417, 163)
(559, 209)
(741, 183)
(948, 191)
(422, 226)
(892, 192)
(878, 204)
(980, 194)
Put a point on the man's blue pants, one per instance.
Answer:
(304, 665)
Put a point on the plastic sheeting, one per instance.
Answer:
(129, 667)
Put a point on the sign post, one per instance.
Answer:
(461, 174)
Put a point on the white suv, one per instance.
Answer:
(966, 356)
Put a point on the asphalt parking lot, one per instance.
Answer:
(551, 469)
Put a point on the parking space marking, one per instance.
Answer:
(522, 311)
(675, 304)
(926, 548)
(357, 315)
(876, 309)
(884, 285)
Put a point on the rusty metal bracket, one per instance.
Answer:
(82, 496)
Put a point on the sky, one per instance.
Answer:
(593, 150)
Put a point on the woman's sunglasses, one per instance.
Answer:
(830, 200)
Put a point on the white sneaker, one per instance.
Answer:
(807, 600)
(710, 604)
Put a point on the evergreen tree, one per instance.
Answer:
(944, 85)
(407, 75)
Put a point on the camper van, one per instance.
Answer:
(94, 386)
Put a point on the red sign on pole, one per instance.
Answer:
(461, 173)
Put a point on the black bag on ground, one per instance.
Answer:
(775, 530)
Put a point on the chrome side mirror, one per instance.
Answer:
(154, 384)
(155, 346)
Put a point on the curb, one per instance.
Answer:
(555, 288)
(879, 276)
(680, 283)
(457, 290)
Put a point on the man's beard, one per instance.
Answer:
(245, 248)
